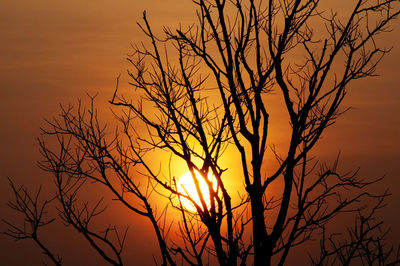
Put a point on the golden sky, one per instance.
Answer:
(54, 51)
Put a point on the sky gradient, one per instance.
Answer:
(54, 52)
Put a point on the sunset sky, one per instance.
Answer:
(54, 51)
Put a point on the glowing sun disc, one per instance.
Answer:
(187, 186)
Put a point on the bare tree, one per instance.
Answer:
(205, 89)
(34, 213)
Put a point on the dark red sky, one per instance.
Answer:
(55, 51)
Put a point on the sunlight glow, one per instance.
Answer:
(187, 186)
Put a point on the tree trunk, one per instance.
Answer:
(216, 238)
(262, 255)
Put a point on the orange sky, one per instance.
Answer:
(55, 51)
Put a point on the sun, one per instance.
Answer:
(186, 186)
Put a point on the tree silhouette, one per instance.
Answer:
(202, 91)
